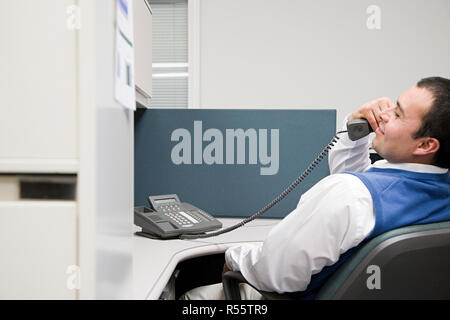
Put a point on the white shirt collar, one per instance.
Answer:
(415, 167)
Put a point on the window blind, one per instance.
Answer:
(170, 54)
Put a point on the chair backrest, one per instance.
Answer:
(407, 263)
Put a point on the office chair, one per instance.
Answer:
(413, 263)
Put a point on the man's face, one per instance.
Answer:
(394, 140)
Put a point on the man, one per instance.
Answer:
(358, 201)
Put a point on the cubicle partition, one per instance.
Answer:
(229, 162)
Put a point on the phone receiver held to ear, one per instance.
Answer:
(358, 128)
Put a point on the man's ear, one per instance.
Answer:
(427, 146)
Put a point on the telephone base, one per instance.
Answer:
(150, 235)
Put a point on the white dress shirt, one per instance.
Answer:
(333, 216)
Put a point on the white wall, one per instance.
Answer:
(105, 180)
(114, 169)
(302, 53)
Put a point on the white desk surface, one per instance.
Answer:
(155, 260)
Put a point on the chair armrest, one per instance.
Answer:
(231, 281)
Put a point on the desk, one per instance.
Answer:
(155, 260)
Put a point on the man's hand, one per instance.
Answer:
(372, 110)
(225, 269)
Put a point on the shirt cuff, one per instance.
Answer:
(232, 265)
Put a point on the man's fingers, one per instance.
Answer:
(381, 108)
(373, 110)
(373, 120)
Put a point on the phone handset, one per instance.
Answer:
(358, 128)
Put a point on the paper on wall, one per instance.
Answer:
(124, 55)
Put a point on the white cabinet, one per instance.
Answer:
(142, 16)
(38, 122)
(38, 135)
(59, 118)
(37, 247)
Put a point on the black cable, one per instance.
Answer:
(274, 201)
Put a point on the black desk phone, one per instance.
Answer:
(168, 218)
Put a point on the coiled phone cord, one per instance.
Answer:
(294, 184)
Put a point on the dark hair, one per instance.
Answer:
(436, 122)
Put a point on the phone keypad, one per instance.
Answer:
(169, 208)
(173, 212)
(198, 215)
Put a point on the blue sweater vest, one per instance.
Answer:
(400, 198)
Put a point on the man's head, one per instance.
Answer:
(418, 129)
